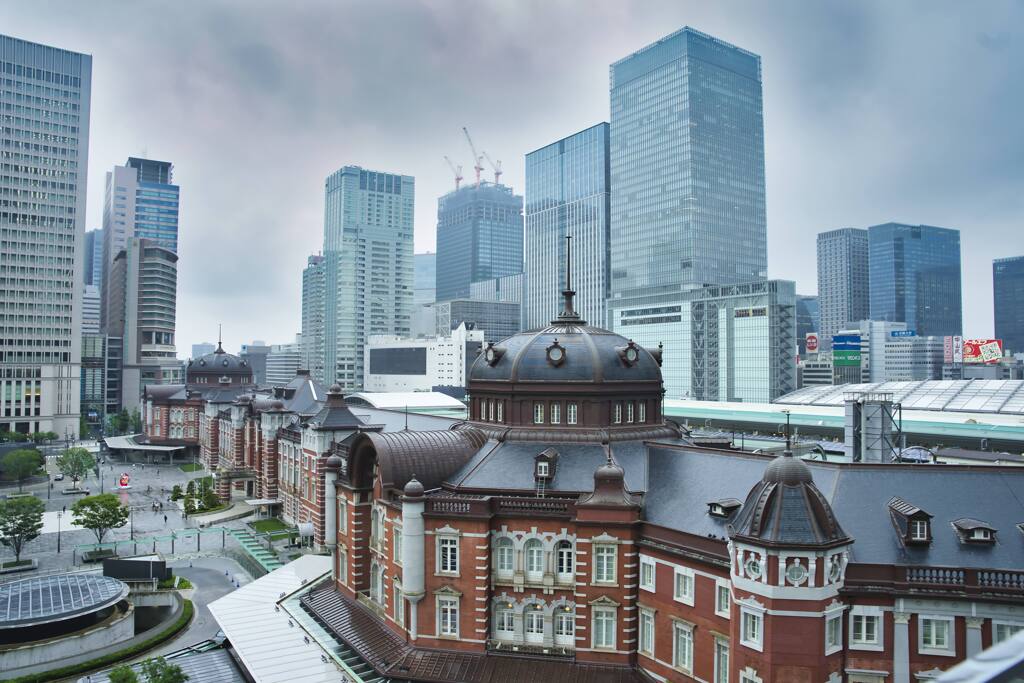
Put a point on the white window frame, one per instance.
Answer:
(343, 566)
(504, 548)
(648, 574)
(601, 550)
(685, 579)
(866, 612)
(500, 613)
(555, 413)
(749, 675)
(617, 413)
(629, 412)
(1014, 626)
(533, 615)
(641, 411)
(533, 549)
(396, 544)
(918, 524)
(684, 662)
(564, 639)
(721, 673)
(564, 550)
(501, 411)
(604, 614)
(949, 649)
(447, 542)
(645, 644)
(490, 410)
(750, 616)
(543, 468)
(570, 413)
(833, 621)
(720, 586)
(452, 603)
(399, 606)
(538, 412)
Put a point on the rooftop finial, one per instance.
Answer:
(220, 347)
(568, 311)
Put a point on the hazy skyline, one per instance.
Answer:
(873, 112)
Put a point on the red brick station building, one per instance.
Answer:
(568, 532)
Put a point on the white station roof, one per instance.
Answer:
(271, 644)
(128, 443)
(1002, 396)
(400, 400)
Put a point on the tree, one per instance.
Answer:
(21, 520)
(20, 464)
(75, 463)
(159, 671)
(100, 514)
(135, 422)
(123, 674)
(176, 493)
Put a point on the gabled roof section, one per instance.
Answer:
(900, 506)
(335, 415)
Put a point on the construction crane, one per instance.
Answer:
(456, 170)
(496, 165)
(476, 157)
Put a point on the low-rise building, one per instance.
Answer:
(396, 364)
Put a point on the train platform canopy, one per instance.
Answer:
(129, 443)
(998, 396)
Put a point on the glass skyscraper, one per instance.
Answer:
(45, 99)
(424, 279)
(313, 317)
(807, 320)
(567, 193)
(843, 293)
(914, 271)
(479, 237)
(1008, 295)
(687, 169)
(368, 266)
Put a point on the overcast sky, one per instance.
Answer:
(874, 111)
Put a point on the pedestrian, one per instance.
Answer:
(65, 508)
(165, 520)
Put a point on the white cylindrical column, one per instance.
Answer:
(413, 586)
(331, 468)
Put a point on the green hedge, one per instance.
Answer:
(114, 657)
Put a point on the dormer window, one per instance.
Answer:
(724, 507)
(543, 469)
(544, 465)
(974, 531)
(913, 524)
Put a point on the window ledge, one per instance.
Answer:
(935, 652)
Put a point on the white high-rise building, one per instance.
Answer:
(312, 335)
(45, 100)
(368, 266)
(91, 310)
(283, 362)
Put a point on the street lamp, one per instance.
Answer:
(787, 429)
(131, 516)
(59, 515)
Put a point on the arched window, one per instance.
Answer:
(534, 552)
(565, 560)
(504, 621)
(375, 583)
(375, 528)
(503, 556)
(565, 626)
(533, 619)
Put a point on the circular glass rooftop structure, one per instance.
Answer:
(42, 600)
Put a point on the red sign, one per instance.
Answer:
(123, 481)
(812, 342)
(983, 350)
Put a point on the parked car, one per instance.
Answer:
(59, 476)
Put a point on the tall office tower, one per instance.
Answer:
(45, 101)
(1008, 297)
(202, 348)
(479, 237)
(843, 293)
(723, 342)
(255, 355)
(92, 272)
(91, 309)
(567, 194)
(368, 235)
(807, 321)
(283, 362)
(140, 201)
(313, 317)
(687, 169)
(424, 279)
(914, 272)
(142, 282)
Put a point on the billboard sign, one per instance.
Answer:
(903, 333)
(958, 349)
(947, 350)
(982, 350)
(811, 342)
(846, 350)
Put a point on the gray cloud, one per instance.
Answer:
(873, 112)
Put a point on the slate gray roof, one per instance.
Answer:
(591, 355)
(213, 666)
(509, 465)
(684, 479)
